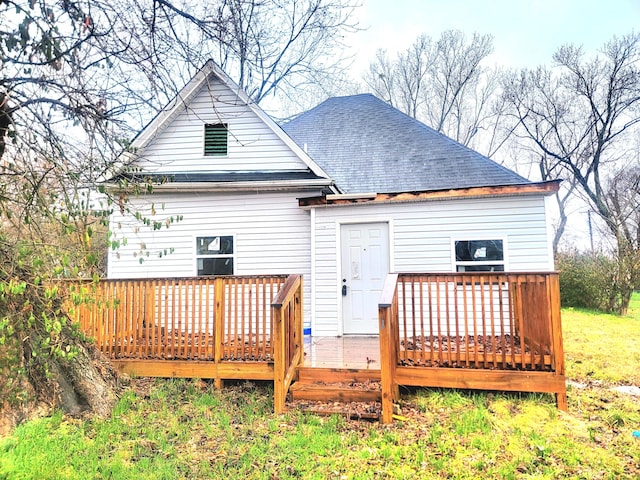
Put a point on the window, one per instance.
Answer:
(479, 256)
(215, 139)
(215, 255)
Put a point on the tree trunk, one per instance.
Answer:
(86, 384)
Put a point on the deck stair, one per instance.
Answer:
(351, 392)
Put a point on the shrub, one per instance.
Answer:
(588, 281)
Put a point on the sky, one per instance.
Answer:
(526, 32)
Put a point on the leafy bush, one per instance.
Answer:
(588, 281)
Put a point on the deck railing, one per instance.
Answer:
(201, 318)
(476, 320)
(437, 329)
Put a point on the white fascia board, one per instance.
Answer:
(352, 196)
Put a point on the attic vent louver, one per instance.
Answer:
(215, 139)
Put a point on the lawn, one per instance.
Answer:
(173, 429)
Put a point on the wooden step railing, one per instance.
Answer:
(287, 338)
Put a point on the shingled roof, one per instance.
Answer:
(366, 145)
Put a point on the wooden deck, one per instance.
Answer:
(431, 326)
(224, 328)
(490, 331)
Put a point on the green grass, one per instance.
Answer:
(602, 347)
(173, 429)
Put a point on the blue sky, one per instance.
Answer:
(526, 32)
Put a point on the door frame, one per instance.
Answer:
(339, 276)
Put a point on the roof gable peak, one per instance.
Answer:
(182, 99)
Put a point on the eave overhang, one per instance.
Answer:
(537, 188)
(254, 186)
(202, 187)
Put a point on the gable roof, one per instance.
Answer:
(314, 176)
(367, 145)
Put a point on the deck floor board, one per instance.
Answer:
(351, 351)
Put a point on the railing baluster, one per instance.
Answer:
(431, 329)
(205, 352)
(456, 313)
(229, 331)
(403, 296)
(484, 289)
(465, 310)
(520, 322)
(448, 322)
(251, 332)
(192, 319)
(163, 324)
(413, 318)
(503, 326)
(243, 320)
(422, 342)
(262, 352)
(439, 319)
(492, 317)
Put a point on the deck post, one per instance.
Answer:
(279, 361)
(388, 338)
(218, 318)
(556, 338)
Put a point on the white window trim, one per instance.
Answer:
(480, 236)
(197, 256)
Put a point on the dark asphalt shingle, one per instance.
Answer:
(366, 145)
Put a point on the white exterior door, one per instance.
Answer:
(365, 264)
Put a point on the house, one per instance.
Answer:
(343, 194)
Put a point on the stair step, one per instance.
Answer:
(335, 392)
(351, 411)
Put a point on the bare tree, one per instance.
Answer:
(59, 129)
(623, 198)
(412, 67)
(579, 116)
(456, 73)
(445, 84)
(268, 47)
(381, 78)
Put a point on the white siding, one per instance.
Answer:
(421, 236)
(252, 145)
(271, 235)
